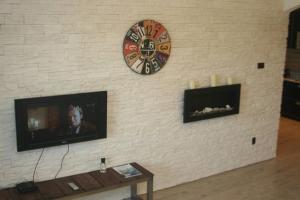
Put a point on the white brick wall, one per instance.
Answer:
(291, 4)
(69, 46)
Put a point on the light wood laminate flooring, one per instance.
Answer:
(276, 179)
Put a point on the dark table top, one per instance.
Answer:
(87, 182)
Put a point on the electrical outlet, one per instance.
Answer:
(253, 140)
(260, 65)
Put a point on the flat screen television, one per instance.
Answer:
(56, 120)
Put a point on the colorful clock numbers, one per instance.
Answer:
(146, 47)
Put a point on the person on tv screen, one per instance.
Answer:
(76, 123)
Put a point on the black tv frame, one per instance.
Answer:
(22, 131)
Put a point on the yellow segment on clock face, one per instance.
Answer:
(132, 58)
(164, 48)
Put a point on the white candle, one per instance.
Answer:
(213, 80)
(229, 81)
(191, 84)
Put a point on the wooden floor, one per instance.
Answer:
(276, 179)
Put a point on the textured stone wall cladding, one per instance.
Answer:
(70, 46)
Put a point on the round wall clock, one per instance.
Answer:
(146, 47)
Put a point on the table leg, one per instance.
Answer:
(150, 189)
(133, 190)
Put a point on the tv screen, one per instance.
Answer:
(57, 120)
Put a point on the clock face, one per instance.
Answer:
(146, 47)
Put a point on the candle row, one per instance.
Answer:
(213, 81)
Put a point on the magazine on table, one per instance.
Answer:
(127, 170)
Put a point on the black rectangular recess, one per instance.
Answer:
(253, 140)
(260, 65)
(220, 101)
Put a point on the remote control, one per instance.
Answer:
(73, 186)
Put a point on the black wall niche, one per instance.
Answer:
(211, 102)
